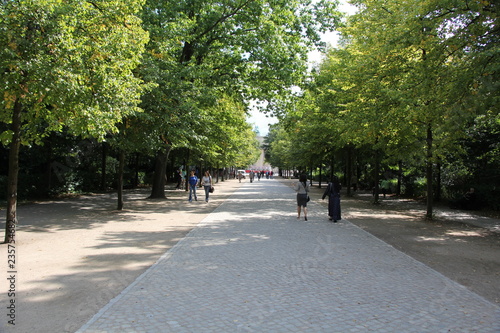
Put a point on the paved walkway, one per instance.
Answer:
(251, 266)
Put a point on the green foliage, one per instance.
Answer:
(280, 148)
(209, 59)
(224, 137)
(408, 80)
(413, 81)
(70, 64)
(478, 162)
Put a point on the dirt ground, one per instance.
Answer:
(462, 245)
(73, 256)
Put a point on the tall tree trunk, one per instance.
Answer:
(376, 177)
(311, 172)
(332, 166)
(320, 173)
(349, 170)
(49, 166)
(121, 167)
(438, 183)
(429, 173)
(10, 226)
(400, 177)
(136, 166)
(186, 183)
(103, 165)
(158, 190)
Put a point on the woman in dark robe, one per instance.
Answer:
(333, 193)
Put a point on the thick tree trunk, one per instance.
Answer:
(429, 174)
(10, 226)
(121, 167)
(158, 190)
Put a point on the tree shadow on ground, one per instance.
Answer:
(91, 211)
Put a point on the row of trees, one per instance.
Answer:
(412, 87)
(149, 76)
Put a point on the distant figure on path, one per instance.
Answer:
(302, 189)
(333, 194)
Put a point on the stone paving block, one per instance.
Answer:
(251, 266)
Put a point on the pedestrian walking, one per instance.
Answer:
(193, 182)
(206, 180)
(333, 194)
(302, 189)
(179, 179)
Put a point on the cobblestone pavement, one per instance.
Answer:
(251, 266)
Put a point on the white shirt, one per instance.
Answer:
(207, 181)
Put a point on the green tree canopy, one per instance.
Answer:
(203, 50)
(407, 80)
(66, 64)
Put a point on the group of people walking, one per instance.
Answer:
(302, 188)
(259, 174)
(206, 181)
(332, 192)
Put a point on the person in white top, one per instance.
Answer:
(302, 189)
(207, 184)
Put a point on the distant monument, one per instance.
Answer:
(261, 164)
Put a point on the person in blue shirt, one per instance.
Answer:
(193, 182)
